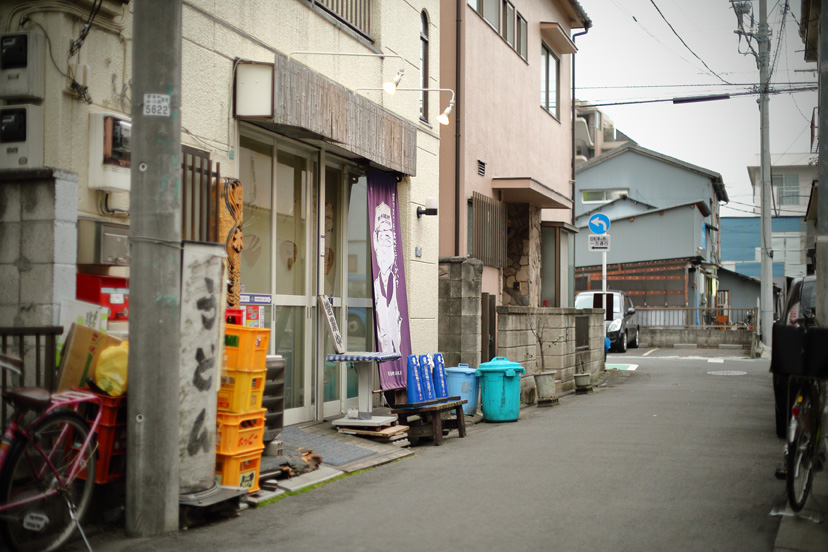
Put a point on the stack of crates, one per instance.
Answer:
(241, 419)
(112, 438)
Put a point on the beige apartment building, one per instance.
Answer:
(506, 159)
(282, 103)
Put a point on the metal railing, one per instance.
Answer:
(37, 348)
(696, 318)
(356, 13)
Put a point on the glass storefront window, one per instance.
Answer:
(256, 174)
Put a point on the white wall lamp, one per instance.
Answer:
(390, 86)
(442, 118)
(430, 208)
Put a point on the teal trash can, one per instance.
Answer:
(462, 380)
(500, 389)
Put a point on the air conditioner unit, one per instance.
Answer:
(22, 66)
(21, 136)
(109, 152)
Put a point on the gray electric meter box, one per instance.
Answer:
(22, 75)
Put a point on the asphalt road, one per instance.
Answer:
(666, 457)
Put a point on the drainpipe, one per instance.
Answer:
(457, 115)
(574, 115)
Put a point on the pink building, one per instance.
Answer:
(506, 159)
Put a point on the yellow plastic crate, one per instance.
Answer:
(239, 470)
(238, 433)
(241, 390)
(245, 348)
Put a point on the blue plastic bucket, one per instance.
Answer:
(462, 380)
(500, 389)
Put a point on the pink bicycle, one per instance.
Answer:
(47, 466)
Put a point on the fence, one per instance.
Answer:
(658, 318)
(37, 348)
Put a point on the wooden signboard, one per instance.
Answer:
(333, 328)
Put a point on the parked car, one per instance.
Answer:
(621, 329)
(800, 310)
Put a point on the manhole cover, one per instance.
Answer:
(727, 373)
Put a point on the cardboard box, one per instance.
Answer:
(79, 312)
(80, 355)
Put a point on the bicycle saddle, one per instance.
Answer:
(29, 398)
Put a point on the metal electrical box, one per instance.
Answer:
(21, 136)
(22, 59)
(102, 243)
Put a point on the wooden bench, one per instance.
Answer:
(433, 423)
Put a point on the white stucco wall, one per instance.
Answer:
(212, 41)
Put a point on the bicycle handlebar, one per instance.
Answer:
(11, 367)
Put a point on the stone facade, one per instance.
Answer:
(459, 321)
(522, 273)
(543, 339)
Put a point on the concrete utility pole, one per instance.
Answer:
(766, 274)
(822, 172)
(155, 270)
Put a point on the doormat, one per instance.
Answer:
(333, 452)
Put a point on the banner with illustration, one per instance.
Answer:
(388, 270)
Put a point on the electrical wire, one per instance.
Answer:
(703, 98)
(685, 44)
(81, 91)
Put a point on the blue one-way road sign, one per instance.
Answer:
(599, 223)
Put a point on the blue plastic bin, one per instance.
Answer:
(462, 380)
(500, 389)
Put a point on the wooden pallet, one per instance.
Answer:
(551, 401)
(584, 390)
(385, 432)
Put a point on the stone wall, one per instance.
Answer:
(698, 336)
(38, 244)
(517, 340)
(522, 273)
(459, 319)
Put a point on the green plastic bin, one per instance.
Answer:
(500, 389)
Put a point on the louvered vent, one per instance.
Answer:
(481, 168)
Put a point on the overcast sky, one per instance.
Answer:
(631, 53)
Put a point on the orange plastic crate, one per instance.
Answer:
(245, 348)
(238, 433)
(241, 390)
(239, 470)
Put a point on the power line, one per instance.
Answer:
(685, 44)
(741, 84)
(705, 98)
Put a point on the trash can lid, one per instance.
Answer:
(461, 369)
(501, 364)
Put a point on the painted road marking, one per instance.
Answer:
(716, 360)
(624, 367)
(651, 351)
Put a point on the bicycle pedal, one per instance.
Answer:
(781, 473)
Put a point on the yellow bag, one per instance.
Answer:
(111, 372)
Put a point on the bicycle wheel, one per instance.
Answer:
(802, 445)
(46, 524)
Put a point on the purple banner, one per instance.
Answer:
(390, 297)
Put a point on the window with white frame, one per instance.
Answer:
(602, 196)
(787, 188)
(423, 65)
(549, 80)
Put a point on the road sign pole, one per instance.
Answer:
(604, 281)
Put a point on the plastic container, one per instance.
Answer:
(241, 390)
(463, 381)
(414, 390)
(500, 389)
(237, 433)
(239, 470)
(440, 389)
(234, 316)
(246, 348)
(426, 378)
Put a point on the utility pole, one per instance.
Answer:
(155, 270)
(822, 172)
(766, 274)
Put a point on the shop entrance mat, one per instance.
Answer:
(333, 452)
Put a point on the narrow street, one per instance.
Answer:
(665, 457)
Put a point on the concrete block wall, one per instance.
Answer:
(38, 244)
(517, 327)
(460, 311)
